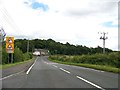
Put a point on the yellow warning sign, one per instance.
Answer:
(10, 44)
(10, 40)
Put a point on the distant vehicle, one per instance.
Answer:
(36, 53)
(43, 53)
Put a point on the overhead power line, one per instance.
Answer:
(7, 19)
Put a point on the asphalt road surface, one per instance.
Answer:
(46, 74)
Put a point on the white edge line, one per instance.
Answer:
(15, 73)
(64, 70)
(31, 66)
(55, 66)
(11, 75)
(90, 83)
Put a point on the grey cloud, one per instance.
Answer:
(105, 6)
(20, 37)
(94, 9)
(80, 12)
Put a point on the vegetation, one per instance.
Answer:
(69, 53)
(18, 56)
(107, 62)
(57, 47)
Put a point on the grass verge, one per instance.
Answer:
(97, 67)
(14, 64)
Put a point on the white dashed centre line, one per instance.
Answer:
(64, 70)
(90, 82)
(55, 66)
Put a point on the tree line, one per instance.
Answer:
(57, 47)
(20, 53)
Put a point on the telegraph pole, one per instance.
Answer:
(103, 38)
(1, 39)
(2, 36)
(28, 46)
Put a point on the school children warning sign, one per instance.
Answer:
(10, 44)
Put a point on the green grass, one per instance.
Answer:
(98, 67)
(14, 64)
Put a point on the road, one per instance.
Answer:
(46, 74)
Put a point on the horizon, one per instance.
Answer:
(59, 42)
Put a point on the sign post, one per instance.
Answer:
(10, 48)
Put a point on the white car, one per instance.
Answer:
(36, 53)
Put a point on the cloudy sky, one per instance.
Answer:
(75, 21)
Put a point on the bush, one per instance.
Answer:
(110, 59)
(31, 55)
(4, 56)
(18, 55)
(27, 56)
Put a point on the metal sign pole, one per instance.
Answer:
(8, 58)
(11, 57)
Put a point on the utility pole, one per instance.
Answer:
(103, 38)
(1, 39)
(2, 36)
(28, 46)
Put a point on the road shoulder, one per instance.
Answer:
(17, 68)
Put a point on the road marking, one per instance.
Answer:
(84, 68)
(64, 70)
(95, 70)
(55, 66)
(12, 75)
(31, 67)
(90, 82)
(46, 62)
